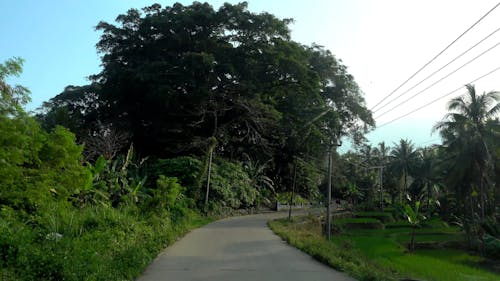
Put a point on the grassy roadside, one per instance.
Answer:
(305, 234)
(91, 244)
(378, 254)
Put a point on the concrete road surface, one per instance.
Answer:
(240, 249)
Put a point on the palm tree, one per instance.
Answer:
(382, 153)
(427, 180)
(403, 158)
(468, 132)
(366, 152)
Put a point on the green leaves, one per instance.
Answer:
(174, 77)
(413, 215)
(12, 98)
(470, 137)
(166, 193)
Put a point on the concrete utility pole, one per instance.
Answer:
(329, 188)
(208, 178)
(329, 195)
(381, 183)
(293, 189)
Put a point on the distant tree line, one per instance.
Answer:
(457, 180)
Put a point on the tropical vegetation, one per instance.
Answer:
(197, 112)
(200, 113)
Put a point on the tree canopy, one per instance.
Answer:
(175, 76)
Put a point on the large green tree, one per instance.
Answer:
(76, 108)
(36, 167)
(176, 77)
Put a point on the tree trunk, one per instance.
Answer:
(405, 186)
(481, 193)
(470, 221)
(412, 241)
(428, 201)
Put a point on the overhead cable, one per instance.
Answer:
(434, 73)
(435, 100)
(435, 57)
(446, 76)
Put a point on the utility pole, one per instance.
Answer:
(293, 189)
(208, 178)
(381, 182)
(329, 188)
(329, 195)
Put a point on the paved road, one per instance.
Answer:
(240, 249)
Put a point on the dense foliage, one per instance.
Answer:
(202, 110)
(196, 111)
(177, 79)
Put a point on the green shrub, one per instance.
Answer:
(309, 177)
(492, 246)
(231, 187)
(166, 193)
(185, 168)
(94, 243)
(491, 226)
(37, 167)
(284, 198)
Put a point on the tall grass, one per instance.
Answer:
(341, 256)
(95, 243)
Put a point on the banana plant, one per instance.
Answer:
(94, 192)
(414, 217)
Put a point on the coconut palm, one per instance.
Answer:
(427, 177)
(403, 158)
(468, 133)
(382, 153)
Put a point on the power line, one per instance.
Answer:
(434, 58)
(425, 79)
(429, 141)
(446, 76)
(429, 103)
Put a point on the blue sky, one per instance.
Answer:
(381, 42)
